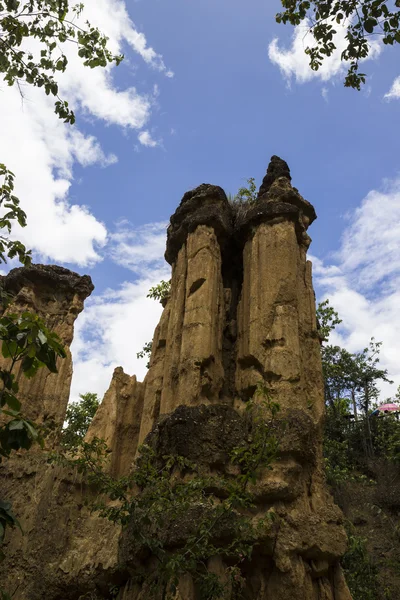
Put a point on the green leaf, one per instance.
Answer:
(42, 337)
(31, 430)
(27, 365)
(11, 413)
(16, 425)
(369, 25)
(13, 402)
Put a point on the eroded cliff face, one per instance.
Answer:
(45, 498)
(241, 312)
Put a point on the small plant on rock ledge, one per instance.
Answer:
(145, 352)
(242, 202)
(184, 516)
(161, 291)
(245, 195)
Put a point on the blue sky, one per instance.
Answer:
(206, 95)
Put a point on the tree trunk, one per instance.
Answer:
(353, 399)
(368, 425)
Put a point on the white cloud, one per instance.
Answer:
(42, 151)
(115, 326)
(112, 18)
(109, 333)
(394, 91)
(364, 285)
(140, 248)
(293, 62)
(146, 139)
(371, 245)
(93, 90)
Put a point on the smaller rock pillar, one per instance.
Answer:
(117, 421)
(56, 295)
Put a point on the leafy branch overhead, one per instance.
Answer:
(364, 20)
(11, 211)
(52, 23)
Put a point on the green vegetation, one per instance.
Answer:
(25, 340)
(9, 203)
(28, 344)
(362, 455)
(360, 571)
(245, 194)
(161, 291)
(78, 418)
(249, 193)
(145, 352)
(365, 20)
(52, 24)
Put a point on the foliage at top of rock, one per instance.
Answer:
(208, 205)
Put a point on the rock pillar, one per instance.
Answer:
(56, 295)
(241, 313)
(186, 366)
(117, 421)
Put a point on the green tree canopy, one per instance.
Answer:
(364, 19)
(78, 418)
(53, 24)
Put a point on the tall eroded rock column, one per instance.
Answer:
(186, 364)
(242, 313)
(57, 296)
(276, 312)
(48, 500)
